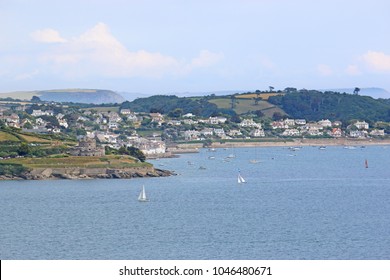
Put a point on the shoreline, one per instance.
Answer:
(189, 147)
(88, 173)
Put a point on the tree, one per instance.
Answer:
(176, 113)
(233, 101)
(271, 88)
(356, 90)
(259, 113)
(290, 89)
(35, 99)
(23, 149)
(277, 116)
(235, 118)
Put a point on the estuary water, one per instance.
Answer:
(302, 204)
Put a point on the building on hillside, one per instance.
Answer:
(289, 122)
(125, 111)
(300, 121)
(361, 125)
(87, 147)
(325, 123)
(377, 132)
(257, 133)
(358, 134)
(249, 123)
(336, 132)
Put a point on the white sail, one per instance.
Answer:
(240, 179)
(142, 196)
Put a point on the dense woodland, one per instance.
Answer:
(315, 105)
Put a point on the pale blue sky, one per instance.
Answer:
(157, 47)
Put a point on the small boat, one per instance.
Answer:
(366, 163)
(202, 168)
(142, 196)
(350, 147)
(254, 161)
(240, 179)
(211, 157)
(322, 148)
(231, 156)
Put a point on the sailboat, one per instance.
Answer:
(142, 196)
(240, 179)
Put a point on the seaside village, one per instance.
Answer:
(125, 128)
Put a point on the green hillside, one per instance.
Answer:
(314, 105)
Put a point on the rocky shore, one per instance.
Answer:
(88, 173)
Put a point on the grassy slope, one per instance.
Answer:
(247, 105)
(4, 136)
(74, 161)
(31, 138)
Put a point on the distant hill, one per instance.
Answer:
(374, 92)
(94, 96)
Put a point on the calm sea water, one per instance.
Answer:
(306, 204)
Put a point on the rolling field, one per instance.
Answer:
(247, 105)
(264, 96)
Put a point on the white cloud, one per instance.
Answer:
(47, 35)
(267, 63)
(98, 52)
(206, 59)
(324, 70)
(377, 61)
(353, 70)
(26, 76)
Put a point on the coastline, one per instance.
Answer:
(88, 173)
(192, 147)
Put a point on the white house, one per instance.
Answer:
(257, 133)
(220, 132)
(377, 132)
(300, 121)
(63, 123)
(217, 120)
(336, 132)
(234, 132)
(325, 123)
(125, 112)
(289, 122)
(207, 131)
(358, 133)
(361, 125)
(249, 123)
(291, 132)
(278, 125)
(189, 121)
(38, 113)
(191, 135)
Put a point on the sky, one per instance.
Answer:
(167, 46)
